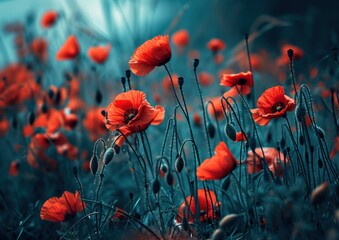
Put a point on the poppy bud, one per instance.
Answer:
(156, 186)
(163, 169)
(170, 178)
(184, 223)
(226, 184)
(195, 63)
(116, 149)
(75, 171)
(228, 220)
(179, 164)
(319, 194)
(93, 164)
(98, 96)
(301, 140)
(300, 113)
(218, 235)
(290, 53)
(108, 157)
(210, 129)
(31, 118)
(230, 131)
(128, 73)
(320, 132)
(180, 81)
(57, 97)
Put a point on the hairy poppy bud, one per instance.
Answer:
(108, 157)
(195, 63)
(75, 171)
(156, 186)
(179, 164)
(170, 178)
(230, 131)
(218, 235)
(320, 132)
(319, 194)
(210, 129)
(93, 164)
(180, 81)
(290, 53)
(98, 96)
(128, 73)
(31, 118)
(228, 220)
(300, 113)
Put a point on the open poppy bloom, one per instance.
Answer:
(130, 112)
(69, 50)
(181, 38)
(153, 53)
(240, 82)
(208, 206)
(63, 208)
(273, 103)
(49, 18)
(216, 45)
(99, 54)
(219, 165)
(273, 158)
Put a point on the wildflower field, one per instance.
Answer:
(169, 119)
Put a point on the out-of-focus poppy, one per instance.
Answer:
(166, 82)
(153, 53)
(284, 59)
(219, 165)
(197, 120)
(39, 48)
(4, 126)
(273, 103)
(49, 18)
(63, 208)
(14, 168)
(216, 45)
(94, 123)
(273, 158)
(205, 78)
(240, 82)
(217, 111)
(208, 205)
(69, 50)
(180, 38)
(99, 54)
(130, 112)
(240, 137)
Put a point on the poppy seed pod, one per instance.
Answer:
(170, 178)
(98, 96)
(290, 53)
(94, 164)
(230, 131)
(218, 235)
(211, 129)
(179, 164)
(228, 220)
(156, 186)
(319, 194)
(180, 81)
(195, 63)
(108, 157)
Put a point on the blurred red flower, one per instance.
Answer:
(99, 54)
(273, 103)
(153, 53)
(181, 38)
(216, 45)
(219, 165)
(63, 208)
(69, 50)
(49, 18)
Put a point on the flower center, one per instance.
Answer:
(242, 81)
(129, 115)
(278, 107)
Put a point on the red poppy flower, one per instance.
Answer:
(4, 126)
(207, 204)
(49, 18)
(69, 50)
(241, 82)
(94, 123)
(166, 82)
(181, 38)
(284, 59)
(14, 168)
(153, 53)
(39, 47)
(273, 158)
(273, 103)
(219, 113)
(130, 112)
(205, 79)
(216, 45)
(99, 54)
(219, 165)
(61, 209)
(240, 137)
